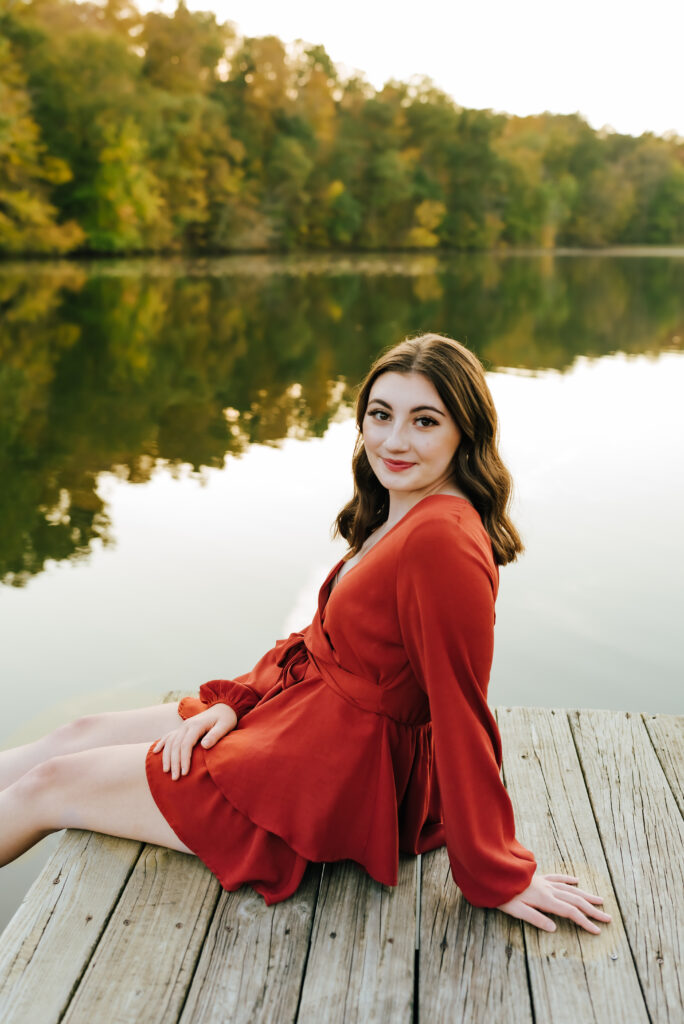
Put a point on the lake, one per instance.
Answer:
(176, 438)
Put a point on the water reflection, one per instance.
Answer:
(114, 366)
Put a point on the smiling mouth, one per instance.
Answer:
(396, 465)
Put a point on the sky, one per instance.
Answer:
(619, 64)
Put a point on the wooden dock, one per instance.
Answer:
(114, 931)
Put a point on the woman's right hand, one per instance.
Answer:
(176, 746)
(557, 894)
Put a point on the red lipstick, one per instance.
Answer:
(396, 466)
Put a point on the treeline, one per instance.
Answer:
(122, 132)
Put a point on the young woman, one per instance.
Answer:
(364, 734)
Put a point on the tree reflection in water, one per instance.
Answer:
(115, 366)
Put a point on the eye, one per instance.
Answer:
(379, 412)
(427, 421)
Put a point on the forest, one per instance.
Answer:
(123, 132)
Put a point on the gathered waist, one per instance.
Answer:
(404, 703)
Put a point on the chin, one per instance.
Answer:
(398, 482)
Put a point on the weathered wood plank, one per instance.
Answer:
(362, 958)
(667, 737)
(472, 960)
(574, 975)
(643, 836)
(49, 941)
(253, 960)
(144, 962)
(247, 961)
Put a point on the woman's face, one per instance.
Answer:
(409, 435)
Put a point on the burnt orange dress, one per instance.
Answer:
(366, 733)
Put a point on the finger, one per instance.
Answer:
(185, 755)
(164, 738)
(186, 748)
(575, 914)
(184, 741)
(576, 900)
(166, 756)
(527, 913)
(175, 756)
(168, 751)
(590, 896)
(561, 878)
(214, 735)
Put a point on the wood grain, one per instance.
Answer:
(254, 957)
(574, 975)
(362, 957)
(472, 960)
(145, 960)
(643, 837)
(667, 737)
(48, 943)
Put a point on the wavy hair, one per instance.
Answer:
(477, 468)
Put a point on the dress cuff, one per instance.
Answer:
(508, 885)
(240, 697)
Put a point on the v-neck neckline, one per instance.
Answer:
(325, 593)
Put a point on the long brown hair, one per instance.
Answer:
(477, 469)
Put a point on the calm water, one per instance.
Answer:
(175, 441)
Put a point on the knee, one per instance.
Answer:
(42, 792)
(45, 779)
(73, 736)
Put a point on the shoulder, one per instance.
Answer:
(447, 534)
(446, 522)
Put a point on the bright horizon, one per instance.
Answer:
(619, 70)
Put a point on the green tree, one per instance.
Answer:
(125, 210)
(28, 220)
(655, 170)
(195, 156)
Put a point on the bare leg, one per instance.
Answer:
(102, 730)
(102, 790)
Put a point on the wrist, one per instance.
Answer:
(227, 713)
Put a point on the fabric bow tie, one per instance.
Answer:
(293, 660)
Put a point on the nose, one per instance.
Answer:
(397, 440)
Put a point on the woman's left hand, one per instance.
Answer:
(177, 746)
(556, 894)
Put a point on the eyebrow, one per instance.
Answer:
(416, 408)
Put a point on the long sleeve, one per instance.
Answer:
(446, 588)
(239, 696)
